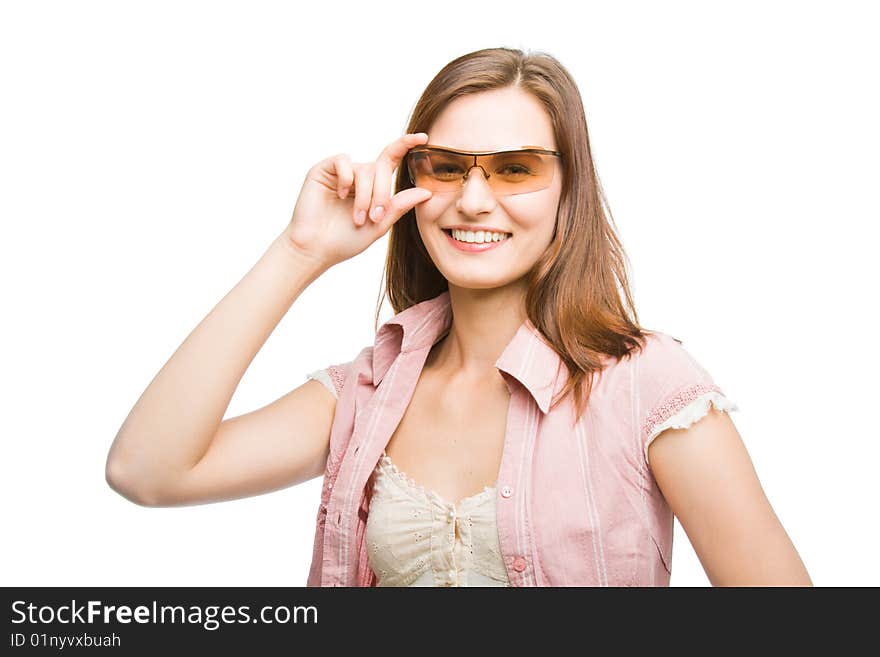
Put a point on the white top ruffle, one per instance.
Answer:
(695, 410)
(324, 377)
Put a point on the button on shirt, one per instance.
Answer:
(577, 504)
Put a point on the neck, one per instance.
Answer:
(483, 324)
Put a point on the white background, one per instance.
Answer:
(150, 152)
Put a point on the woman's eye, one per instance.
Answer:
(514, 169)
(446, 170)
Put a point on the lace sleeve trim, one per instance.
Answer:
(674, 404)
(337, 375)
(695, 408)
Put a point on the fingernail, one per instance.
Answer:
(361, 215)
(377, 212)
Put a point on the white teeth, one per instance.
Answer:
(478, 236)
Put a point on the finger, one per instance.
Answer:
(394, 152)
(363, 185)
(403, 202)
(386, 163)
(381, 191)
(344, 174)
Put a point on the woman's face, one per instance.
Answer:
(484, 121)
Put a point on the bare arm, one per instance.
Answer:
(172, 425)
(707, 477)
(173, 448)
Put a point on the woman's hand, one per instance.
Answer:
(336, 218)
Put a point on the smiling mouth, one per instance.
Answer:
(448, 231)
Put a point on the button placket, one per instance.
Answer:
(440, 555)
(450, 516)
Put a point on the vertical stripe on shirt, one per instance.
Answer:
(596, 534)
(525, 470)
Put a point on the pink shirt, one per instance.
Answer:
(576, 504)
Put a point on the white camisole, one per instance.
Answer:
(416, 538)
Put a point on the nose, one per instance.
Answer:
(467, 174)
(476, 195)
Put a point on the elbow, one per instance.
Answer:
(775, 582)
(788, 573)
(120, 482)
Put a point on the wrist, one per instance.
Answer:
(299, 258)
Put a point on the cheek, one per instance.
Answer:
(429, 211)
(427, 222)
(532, 214)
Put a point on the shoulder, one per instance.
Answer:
(667, 378)
(664, 362)
(338, 376)
(660, 349)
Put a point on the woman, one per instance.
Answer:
(502, 429)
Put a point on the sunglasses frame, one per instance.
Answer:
(444, 149)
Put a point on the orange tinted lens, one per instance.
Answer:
(436, 170)
(511, 172)
(516, 173)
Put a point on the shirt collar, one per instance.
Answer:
(527, 357)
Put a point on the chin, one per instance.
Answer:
(477, 282)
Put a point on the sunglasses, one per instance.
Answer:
(516, 171)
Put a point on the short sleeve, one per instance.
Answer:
(674, 389)
(333, 377)
(692, 412)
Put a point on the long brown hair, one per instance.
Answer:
(578, 292)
